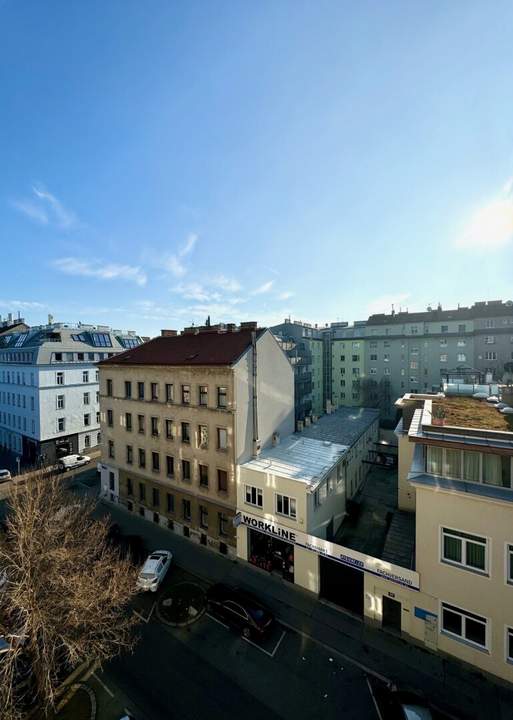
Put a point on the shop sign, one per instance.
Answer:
(341, 554)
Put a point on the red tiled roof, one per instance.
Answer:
(205, 348)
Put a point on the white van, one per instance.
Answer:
(72, 461)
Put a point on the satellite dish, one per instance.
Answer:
(480, 396)
(492, 399)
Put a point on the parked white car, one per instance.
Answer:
(154, 570)
(5, 476)
(73, 461)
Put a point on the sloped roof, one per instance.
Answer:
(204, 348)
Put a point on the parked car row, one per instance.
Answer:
(70, 462)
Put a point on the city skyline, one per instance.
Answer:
(253, 163)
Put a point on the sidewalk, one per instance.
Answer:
(447, 683)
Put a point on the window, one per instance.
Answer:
(254, 496)
(186, 470)
(489, 340)
(356, 345)
(471, 463)
(111, 448)
(109, 387)
(222, 481)
(155, 426)
(461, 342)
(462, 328)
(386, 371)
(222, 397)
(489, 323)
(142, 492)
(186, 433)
(61, 424)
(129, 487)
(203, 475)
(489, 355)
(85, 376)
(59, 378)
(86, 398)
(373, 371)
(342, 358)
(462, 357)
(170, 465)
(222, 438)
(140, 390)
(443, 342)
(60, 402)
(169, 429)
(469, 551)
(443, 357)
(464, 625)
(87, 441)
(203, 437)
(110, 418)
(414, 365)
(186, 394)
(374, 358)
(97, 397)
(169, 392)
(509, 644)
(356, 371)
(129, 454)
(285, 506)
(203, 518)
(355, 358)
(154, 391)
(170, 503)
(203, 395)
(142, 458)
(386, 357)
(509, 564)
(413, 329)
(186, 509)
(444, 328)
(128, 389)
(155, 462)
(155, 497)
(452, 463)
(140, 424)
(223, 524)
(128, 421)
(87, 419)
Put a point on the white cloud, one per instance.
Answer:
(285, 295)
(21, 305)
(46, 209)
(195, 291)
(225, 283)
(189, 245)
(265, 288)
(383, 304)
(491, 225)
(96, 269)
(173, 265)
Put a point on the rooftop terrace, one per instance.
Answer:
(471, 413)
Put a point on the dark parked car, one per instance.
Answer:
(239, 610)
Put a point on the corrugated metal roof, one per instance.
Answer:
(298, 458)
(344, 425)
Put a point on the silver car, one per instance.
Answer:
(5, 476)
(154, 570)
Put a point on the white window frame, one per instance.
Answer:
(461, 638)
(508, 550)
(453, 532)
(257, 492)
(489, 340)
(507, 631)
(289, 499)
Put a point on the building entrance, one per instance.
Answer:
(271, 554)
(342, 585)
(391, 614)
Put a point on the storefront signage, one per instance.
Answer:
(341, 554)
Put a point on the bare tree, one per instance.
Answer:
(67, 592)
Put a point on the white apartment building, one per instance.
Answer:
(49, 391)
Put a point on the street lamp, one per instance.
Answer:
(18, 463)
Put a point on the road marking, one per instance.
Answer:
(107, 689)
(378, 711)
(334, 651)
(217, 621)
(278, 644)
(259, 647)
(142, 617)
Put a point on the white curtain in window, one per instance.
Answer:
(434, 460)
(452, 463)
(492, 474)
(471, 466)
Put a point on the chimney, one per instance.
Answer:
(231, 327)
(168, 333)
(248, 325)
(9, 317)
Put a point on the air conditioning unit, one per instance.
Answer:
(276, 439)
(300, 426)
(257, 448)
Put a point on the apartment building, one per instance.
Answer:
(302, 343)
(181, 413)
(456, 455)
(49, 393)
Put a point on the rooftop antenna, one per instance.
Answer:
(393, 311)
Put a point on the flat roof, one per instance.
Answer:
(472, 413)
(343, 426)
(298, 458)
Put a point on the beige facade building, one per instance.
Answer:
(455, 472)
(178, 416)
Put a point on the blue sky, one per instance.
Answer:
(161, 161)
